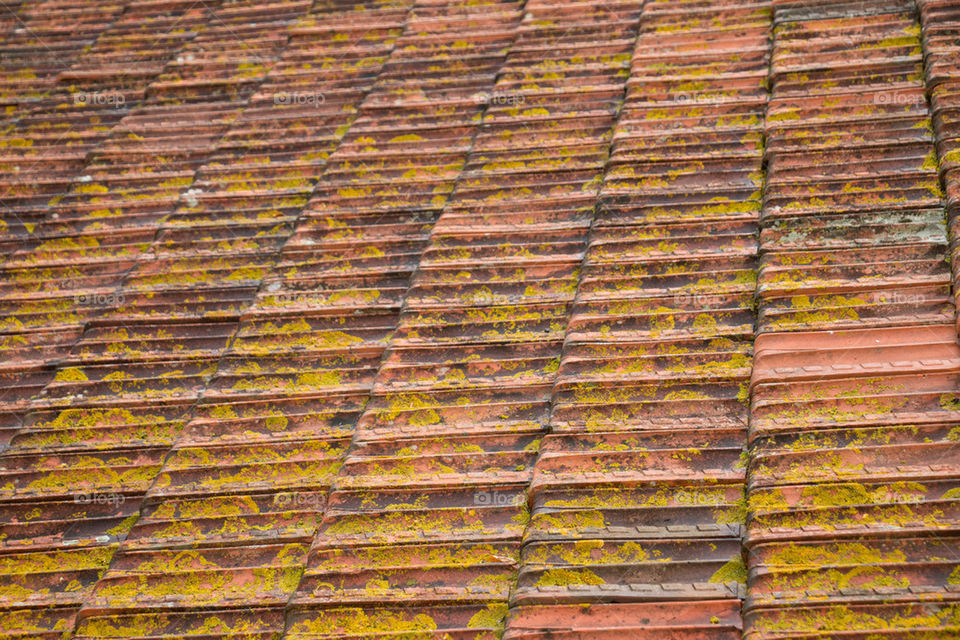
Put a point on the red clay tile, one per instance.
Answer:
(437, 318)
(676, 621)
(260, 623)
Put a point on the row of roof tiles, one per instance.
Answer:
(853, 457)
(139, 459)
(481, 300)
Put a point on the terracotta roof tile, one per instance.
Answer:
(478, 319)
(851, 450)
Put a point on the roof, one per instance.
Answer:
(476, 319)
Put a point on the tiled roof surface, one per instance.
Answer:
(429, 319)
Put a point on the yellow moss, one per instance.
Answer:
(768, 500)
(855, 494)
(362, 621)
(819, 578)
(597, 552)
(125, 525)
(71, 374)
(843, 618)
(276, 423)
(568, 577)
(490, 618)
(952, 156)
(954, 577)
(423, 414)
(385, 525)
(733, 571)
(90, 189)
(949, 402)
(569, 522)
(794, 557)
(51, 562)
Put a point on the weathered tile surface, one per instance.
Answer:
(454, 319)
